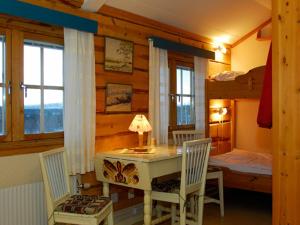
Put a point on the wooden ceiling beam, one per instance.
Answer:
(246, 36)
(92, 5)
(72, 3)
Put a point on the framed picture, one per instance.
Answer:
(118, 55)
(118, 98)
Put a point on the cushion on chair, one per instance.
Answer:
(213, 169)
(83, 204)
(167, 186)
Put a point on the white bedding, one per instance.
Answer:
(244, 161)
(226, 75)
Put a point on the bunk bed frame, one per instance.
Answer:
(245, 86)
(248, 86)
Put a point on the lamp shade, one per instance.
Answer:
(140, 124)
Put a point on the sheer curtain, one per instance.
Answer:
(201, 66)
(158, 93)
(80, 100)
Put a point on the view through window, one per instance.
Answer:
(185, 101)
(2, 85)
(43, 88)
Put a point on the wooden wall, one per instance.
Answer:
(286, 113)
(112, 129)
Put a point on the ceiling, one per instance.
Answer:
(224, 20)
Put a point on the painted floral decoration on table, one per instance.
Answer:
(120, 173)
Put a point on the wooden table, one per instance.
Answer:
(135, 170)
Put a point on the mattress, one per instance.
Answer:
(244, 161)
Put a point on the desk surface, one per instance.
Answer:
(155, 153)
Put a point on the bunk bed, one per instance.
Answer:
(240, 170)
(248, 85)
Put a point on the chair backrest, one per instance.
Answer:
(180, 136)
(195, 156)
(55, 177)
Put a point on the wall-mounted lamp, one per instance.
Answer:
(222, 111)
(219, 48)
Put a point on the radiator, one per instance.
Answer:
(23, 205)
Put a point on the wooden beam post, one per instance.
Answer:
(286, 112)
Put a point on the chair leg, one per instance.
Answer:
(158, 210)
(173, 213)
(200, 209)
(192, 205)
(110, 218)
(221, 194)
(182, 212)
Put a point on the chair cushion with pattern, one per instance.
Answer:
(83, 204)
(167, 186)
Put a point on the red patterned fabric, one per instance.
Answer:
(83, 204)
(264, 117)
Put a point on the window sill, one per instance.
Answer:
(30, 146)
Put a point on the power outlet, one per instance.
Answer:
(131, 193)
(114, 197)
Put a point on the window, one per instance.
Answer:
(185, 96)
(43, 87)
(182, 97)
(2, 87)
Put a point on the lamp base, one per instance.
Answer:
(141, 149)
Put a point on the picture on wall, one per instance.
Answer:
(118, 98)
(118, 55)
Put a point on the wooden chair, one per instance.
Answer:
(63, 207)
(179, 137)
(193, 176)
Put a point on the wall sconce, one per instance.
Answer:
(218, 113)
(223, 111)
(219, 48)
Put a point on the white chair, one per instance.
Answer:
(63, 207)
(193, 173)
(179, 137)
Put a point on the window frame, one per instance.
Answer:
(7, 84)
(177, 60)
(18, 133)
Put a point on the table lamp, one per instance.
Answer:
(140, 124)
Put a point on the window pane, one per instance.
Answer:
(53, 67)
(178, 81)
(186, 81)
(1, 59)
(2, 111)
(2, 88)
(53, 110)
(32, 109)
(32, 65)
(185, 111)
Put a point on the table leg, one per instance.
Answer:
(109, 220)
(147, 207)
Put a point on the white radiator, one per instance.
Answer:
(23, 205)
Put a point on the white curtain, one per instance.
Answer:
(201, 66)
(80, 100)
(158, 93)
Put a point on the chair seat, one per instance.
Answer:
(83, 204)
(170, 186)
(213, 169)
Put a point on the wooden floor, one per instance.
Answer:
(241, 208)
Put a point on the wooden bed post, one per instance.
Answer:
(286, 112)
